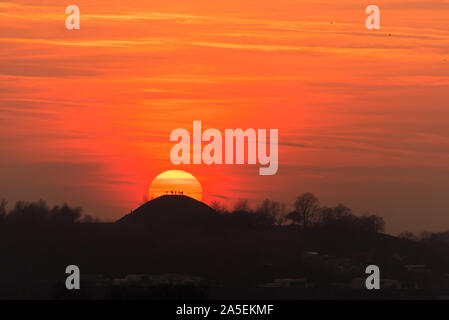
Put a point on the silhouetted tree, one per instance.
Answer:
(339, 218)
(272, 208)
(32, 213)
(341, 211)
(306, 209)
(407, 235)
(3, 205)
(244, 216)
(65, 214)
(269, 207)
(242, 206)
(29, 212)
(372, 223)
(217, 206)
(89, 219)
(338, 213)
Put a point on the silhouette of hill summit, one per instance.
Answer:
(170, 209)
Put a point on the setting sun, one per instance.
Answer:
(175, 182)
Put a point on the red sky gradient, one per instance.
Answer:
(363, 117)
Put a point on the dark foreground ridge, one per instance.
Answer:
(175, 247)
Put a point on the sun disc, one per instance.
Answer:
(175, 182)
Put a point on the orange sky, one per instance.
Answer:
(363, 118)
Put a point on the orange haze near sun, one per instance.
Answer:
(363, 117)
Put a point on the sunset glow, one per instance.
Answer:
(175, 182)
(86, 115)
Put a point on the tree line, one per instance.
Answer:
(39, 212)
(307, 213)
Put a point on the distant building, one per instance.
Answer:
(390, 284)
(157, 280)
(416, 268)
(409, 285)
(289, 283)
